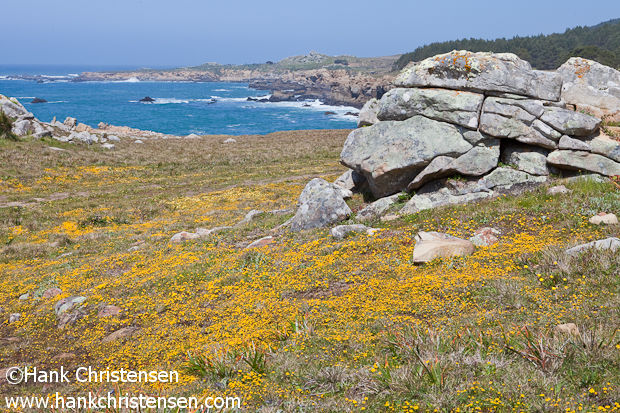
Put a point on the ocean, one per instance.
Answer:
(180, 108)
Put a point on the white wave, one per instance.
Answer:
(221, 90)
(73, 75)
(168, 101)
(58, 101)
(25, 97)
(3, 77)
(131, 80)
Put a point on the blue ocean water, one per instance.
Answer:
(180, 108)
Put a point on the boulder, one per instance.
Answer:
(527, 159)
(482, 72)
(342, 231)
(485, 237)
(320, 204)
(451, 106)
(68, 312)
(591, 87)
(611, 244)
(230, 140)
(390, 154)
(38, 100)
(570, 122)
(14, 318)
(600, 144)
(604, 218)
(432, 245)
(352, 181)
(505, 178)
(558, 190)
(584, 161)
(377, 208)
(70, 122)
(570, 329)
(368, 113)
(84, 137)
(67, 304)
(13, 109)
(108, 146)
(51, 293)
(443, 197)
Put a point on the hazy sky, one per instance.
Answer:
(190, 32)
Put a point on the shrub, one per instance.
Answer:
(6, 126)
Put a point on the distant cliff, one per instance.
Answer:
(337, 80)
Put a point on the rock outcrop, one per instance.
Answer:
(460, 113)
(320, 204)
(442, 132)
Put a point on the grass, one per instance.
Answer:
(308, 323)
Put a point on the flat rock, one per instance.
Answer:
(482, 72)
(611, 244)
(604, 218)
(109, 311)
(570, 329)
(432, 245)
(584, 161)
(440, 198)
(320, 204)
(51, 293)
(570, 122)
(444, 105)
(390, 154)
(261, 242)
(122, 334)
(509, 128)
(506, 178)
(524, 110)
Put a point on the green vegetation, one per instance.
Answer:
(6, 125)
(600, 43)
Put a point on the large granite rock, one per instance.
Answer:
(584, 161)
(448, 193)
(591, 87)
(391, 153)
(600, 144)
(320, 204)
(482, 72)
(460, 108)
(505, 178)
(570, 122)
(368, 113)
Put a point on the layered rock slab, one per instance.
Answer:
(482, 72)
(391, 153)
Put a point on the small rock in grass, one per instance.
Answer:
(108, 146)
(341, 231)
(389, 217)
(485, 237)
(558, 189)
(13, 318)
(122, 334)
(109, 311)
(604, 218)
(51, 292)
(568, 328)
(611, 244)
(262, 242)
(184, 236)
(230, 140)
(138, 141)
(431, 245)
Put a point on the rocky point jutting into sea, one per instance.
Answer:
(342, 80)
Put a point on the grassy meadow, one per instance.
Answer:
(307, 323)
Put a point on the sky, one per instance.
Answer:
(173, 33)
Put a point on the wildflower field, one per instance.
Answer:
(307, 323)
